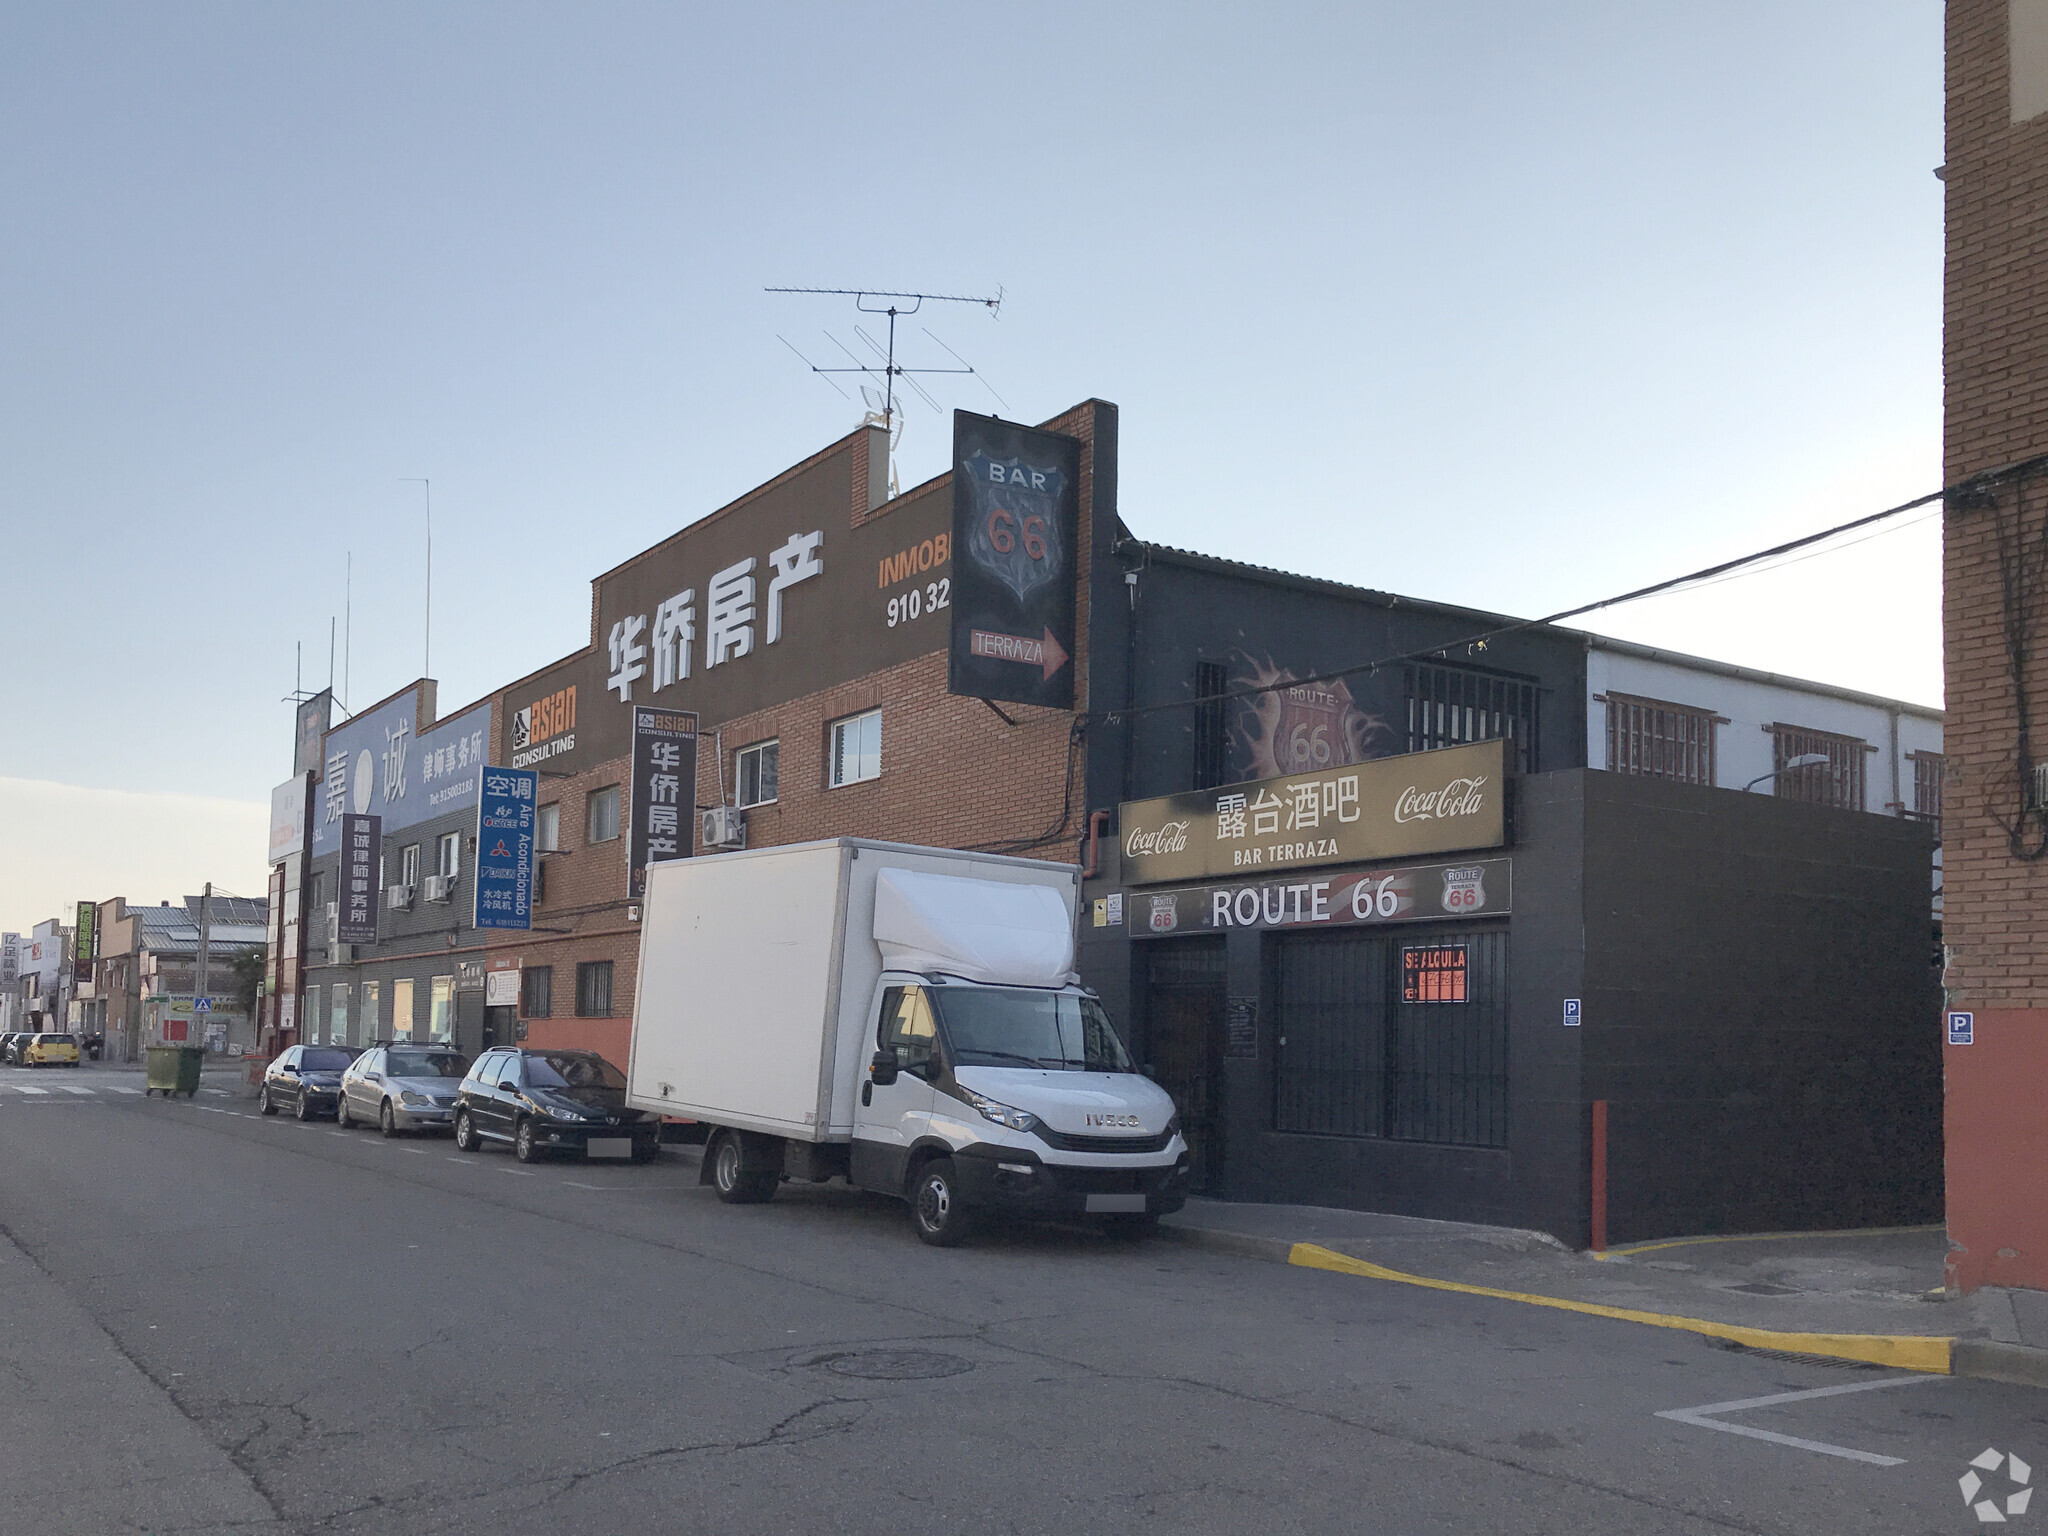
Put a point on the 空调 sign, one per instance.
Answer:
(504, 848)
(1387, 808)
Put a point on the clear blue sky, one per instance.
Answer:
(1496, 303)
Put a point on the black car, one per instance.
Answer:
(546, 1101)
(305, 1079)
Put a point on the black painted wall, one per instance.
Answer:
(1762, 1012)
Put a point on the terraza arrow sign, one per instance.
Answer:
(1389, 808)
(1016, 519)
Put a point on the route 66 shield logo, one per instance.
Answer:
(1465, 888)
(1013, 530)
(1165, 914)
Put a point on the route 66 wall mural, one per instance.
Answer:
(1016, 519)
(1301, 727)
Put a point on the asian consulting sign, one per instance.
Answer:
(1389, 808)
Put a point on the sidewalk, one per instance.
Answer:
(1837, 1292)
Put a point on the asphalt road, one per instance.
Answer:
(214, 1321)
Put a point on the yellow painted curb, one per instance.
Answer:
(1906, 1352)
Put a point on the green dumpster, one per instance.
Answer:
(174, 1069)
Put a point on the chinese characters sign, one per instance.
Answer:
(362, 848)
(504, 848)
(658, 657)
(379, 764)
(1352, 898)
(664, 789)
(82, 941)
(1389, 808)
(1016, 519)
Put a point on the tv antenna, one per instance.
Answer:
(896, 306)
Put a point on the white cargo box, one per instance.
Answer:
(758, 969)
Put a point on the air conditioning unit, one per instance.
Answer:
(440, 888)
(398, 898)
(725, 826)
(333, 924)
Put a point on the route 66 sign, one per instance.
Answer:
(1465, 888)
(1013, 528)
(1165, 914)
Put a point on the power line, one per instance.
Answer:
(1971, 488)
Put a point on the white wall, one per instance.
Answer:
(1742, 747)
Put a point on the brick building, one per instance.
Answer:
(1995, 365)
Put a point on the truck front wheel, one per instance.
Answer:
(935, 1206)
(735, 1182)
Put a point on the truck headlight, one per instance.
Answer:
(1002, 1114)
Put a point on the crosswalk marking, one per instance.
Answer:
(24, 1088)
(117, 1088)
(69, 1089)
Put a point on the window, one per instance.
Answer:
(372, 1020)
(1212, 730)
(1927, 788)
(441, 1010)
(401, 1008)
(337, 1015)
(1837, 781)
(1660, 740)
(537, 992)
(547, 829)
(540, 881)
(594, 989)
(755, 770)
(907, 1028)
(313, 1015)
(448, 855)
(1449, 706)
(602, 815)
(507, 1071)
(409, 865)
(856, 749)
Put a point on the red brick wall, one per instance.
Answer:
(1995, 363)
(954, 774)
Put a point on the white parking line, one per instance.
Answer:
(24, 1088)
(218, 1093)
(68, 1089)
(520, 1173)
(469, 1160)
(415, 1151)
(1702, 1417)
(572, 1184)
(117, 1088)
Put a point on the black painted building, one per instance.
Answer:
(1742, 981)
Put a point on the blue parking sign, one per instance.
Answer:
(1962, 1028)
(1571, 1012)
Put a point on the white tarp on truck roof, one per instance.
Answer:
(982, 930)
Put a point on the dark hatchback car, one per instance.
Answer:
(306, 1080)
(546, 1101)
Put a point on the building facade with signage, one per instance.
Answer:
(1350, 854)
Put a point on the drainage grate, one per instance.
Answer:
(894, 1364)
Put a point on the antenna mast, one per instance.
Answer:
(894, 305)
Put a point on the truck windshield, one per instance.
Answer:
(991, 1028)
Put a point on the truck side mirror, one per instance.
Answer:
(883, 1068)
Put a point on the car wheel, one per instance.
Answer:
(387, 1120)
(730, 1177)
(524, 1145)
(935, 1207)
(304, 1108)
(263, 1100)
(341, 1115)
(465, 1132)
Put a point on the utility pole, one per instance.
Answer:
(199, 970)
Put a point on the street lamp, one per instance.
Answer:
(1803, 760)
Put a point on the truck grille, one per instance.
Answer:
(1065, 1143)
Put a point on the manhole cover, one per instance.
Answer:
(895, 1364)
(1764, 1288)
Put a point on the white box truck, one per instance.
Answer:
(905, 1018)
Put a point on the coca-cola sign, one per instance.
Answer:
(1445, 801)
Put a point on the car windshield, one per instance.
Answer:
(562, 1070)
(55, 1040)
(325, 1061)
(990, 1027)
(426, 1064)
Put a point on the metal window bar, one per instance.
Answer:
(1927, 773)
(1838, 782)
(1447, 1075)
(1658, 740)
(1212, 731)
(1450, 706)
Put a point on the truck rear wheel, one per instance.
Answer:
(935, 1206)
(736, 1183)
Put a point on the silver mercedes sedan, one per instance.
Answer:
(402, 1087)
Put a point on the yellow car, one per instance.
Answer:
(51, 1051)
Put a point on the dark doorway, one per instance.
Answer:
(499, 1027)
(1184, 1003)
